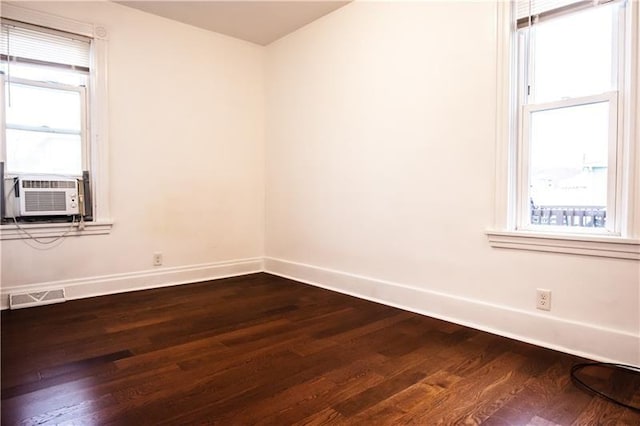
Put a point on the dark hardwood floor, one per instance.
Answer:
(264, 350)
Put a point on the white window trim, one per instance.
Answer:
(591, 245)
(503, 233)
(98, 131)
(54, 230)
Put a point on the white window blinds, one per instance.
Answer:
(531, 11)
(27, 43)
(524, 8)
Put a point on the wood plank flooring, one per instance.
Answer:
(265, 350)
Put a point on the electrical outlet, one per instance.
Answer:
(543, 299)
(157, 259)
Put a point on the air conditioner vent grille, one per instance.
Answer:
(48, 184)
(42, 201)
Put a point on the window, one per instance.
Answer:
(567, 118)
(53, 99)
(45, 81)
(567, 127)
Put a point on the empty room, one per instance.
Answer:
(320, 212)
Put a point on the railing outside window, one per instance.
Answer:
(582, 216)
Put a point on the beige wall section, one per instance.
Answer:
(380, 176)
(186, 154)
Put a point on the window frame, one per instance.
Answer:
(97, 129)
(504, 232)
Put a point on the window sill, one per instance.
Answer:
(587, 245)
(52, 230)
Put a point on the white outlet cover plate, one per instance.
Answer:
(543, 299)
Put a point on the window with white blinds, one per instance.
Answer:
(529, 12)
(46, 73)
(568, 91)
(53, 114)
(567, 128)
(25, 43)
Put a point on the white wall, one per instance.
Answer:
(380, 177)
(186, 160)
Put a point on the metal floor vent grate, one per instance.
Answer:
(25, 300)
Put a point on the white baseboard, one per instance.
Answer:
(140, 280)
(581, 339)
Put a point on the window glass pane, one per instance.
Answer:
(40, 152)
(568, 163)
(43, 107)
(572, 55)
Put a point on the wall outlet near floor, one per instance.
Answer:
(157, 259)
(543, 299)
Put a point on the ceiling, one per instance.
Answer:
(260, 22)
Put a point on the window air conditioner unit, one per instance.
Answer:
(46, 196)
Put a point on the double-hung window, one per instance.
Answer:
(567, 112)
(45, 89)
(567, 126)
(53, 129)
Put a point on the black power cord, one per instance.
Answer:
(582, 384)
